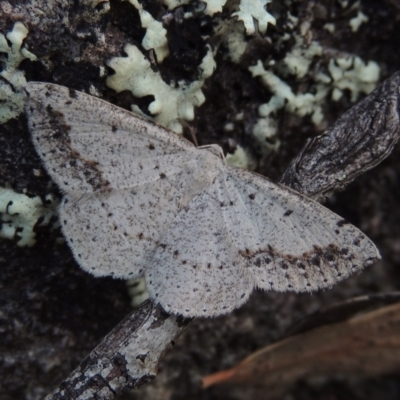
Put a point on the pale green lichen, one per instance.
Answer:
(137, 291)
(250, 10)
(171, 4)
(329, 27)
(235, 41)
(171, 102)
(232, 31)
(264, 131)
(12, 79)
(297, 61)
(213, 6)
(353, 74)
(177, 101)
(302, 62)
(240, 158)
(19, 214)
(156, 36)
(342, 74)
(357, 21)
(283, 97)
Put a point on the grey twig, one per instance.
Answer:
(128, 357)
(359, 140)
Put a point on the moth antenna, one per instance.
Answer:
(190, 129)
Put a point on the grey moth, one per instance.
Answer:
(140, 200)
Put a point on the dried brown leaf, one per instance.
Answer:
(363, 346)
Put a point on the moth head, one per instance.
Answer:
(209, 164)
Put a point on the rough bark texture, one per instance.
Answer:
(127, 357)
(360, 139)
(53, 314)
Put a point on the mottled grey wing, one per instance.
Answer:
(289, 242)
(196, 270)
(243, 232)
(124, 178)
(117, 233)
(89, 145)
